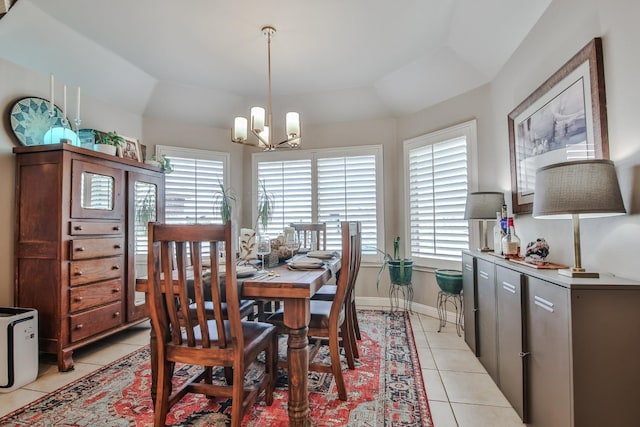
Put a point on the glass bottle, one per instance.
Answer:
(511, 242)
(498, 234)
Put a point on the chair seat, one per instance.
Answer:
(246, 308)
(320, 311)
(325, 293)
(254, 332)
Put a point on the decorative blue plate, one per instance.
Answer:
(30, 120)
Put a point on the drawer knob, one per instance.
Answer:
(80, 249)
(79, 326)
(115, 290)
(78, 273)
(116, 314)
(78, 299)
(78, 227)
(117, 246)
(116, 228)
(115, 267)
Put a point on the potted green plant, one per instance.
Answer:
(400, 269)
(107, 142)
(162, 162)
(266, 204)
(224, 200)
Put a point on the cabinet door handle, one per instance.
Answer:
(524, 354)
(508, 287)
(484, 275)
(80, 249)
(475, 310)
(79, 326)
(468, 267)
(543, 303)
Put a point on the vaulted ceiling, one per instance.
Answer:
(205, 61)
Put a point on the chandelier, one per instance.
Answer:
(261, 128)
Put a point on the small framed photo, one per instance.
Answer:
(130, 149)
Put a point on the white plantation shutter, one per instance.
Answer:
(347, 192)
(437, 183)
(289, 184)
(190, 189)
(329, 186)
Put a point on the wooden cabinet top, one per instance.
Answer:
(84, 151)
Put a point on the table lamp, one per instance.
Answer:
(578, 189)
(483, 205)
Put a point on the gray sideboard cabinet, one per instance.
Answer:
(566, 349)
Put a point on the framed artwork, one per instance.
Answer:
(130, 149)
(565, 119)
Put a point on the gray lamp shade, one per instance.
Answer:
(483, 205)
(588, 188)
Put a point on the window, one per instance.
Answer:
(190, 189)
(438, 167)
(329, 186)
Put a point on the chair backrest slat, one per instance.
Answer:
(310, 232)
(177, 251)
(350, 232)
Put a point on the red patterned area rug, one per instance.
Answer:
(385, 389)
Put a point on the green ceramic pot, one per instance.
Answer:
(400, 271)
(450, 281)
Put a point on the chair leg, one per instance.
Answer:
(237, 396)
(356, 326)
(163, 393)
(336, 367)
(271, 366)
(347, 342)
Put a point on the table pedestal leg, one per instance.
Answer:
(298, 360)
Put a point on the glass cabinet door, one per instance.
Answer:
(146, 204)
(96, 191)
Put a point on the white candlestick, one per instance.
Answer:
(51, 97)
(78, 106)
(64, 102)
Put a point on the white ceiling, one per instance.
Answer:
(205, 61)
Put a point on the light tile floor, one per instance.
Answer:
(460, 391)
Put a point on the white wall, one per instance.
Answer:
(609, 245)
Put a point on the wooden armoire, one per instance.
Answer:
(80, 237)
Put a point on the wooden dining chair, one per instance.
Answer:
(204, 337)
(310, 233)
(327, 293)
(329, 318)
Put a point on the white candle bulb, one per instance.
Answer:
(240, 129)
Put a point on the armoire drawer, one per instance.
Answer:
(95, 321)
(87, 296)
(81, 228)
(93, 248)
(95, 270)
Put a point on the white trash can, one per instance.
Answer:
(18, 347)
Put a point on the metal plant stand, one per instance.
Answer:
(456, 300)
(407, 294)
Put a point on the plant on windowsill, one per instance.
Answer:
(224, 200)
(400, 269)
(266, 204)
(107, 142)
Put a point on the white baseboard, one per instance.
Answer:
(384, 303)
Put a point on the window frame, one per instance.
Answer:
(468, 130)
(313, 154)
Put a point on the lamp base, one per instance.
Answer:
(570, 272)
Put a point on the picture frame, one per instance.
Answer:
(130, 149)
(564, 119)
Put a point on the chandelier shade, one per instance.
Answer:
(259, 123)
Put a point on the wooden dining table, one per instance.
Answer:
(295, 289)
